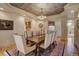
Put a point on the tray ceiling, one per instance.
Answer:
(35, 8)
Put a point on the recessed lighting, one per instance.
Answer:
(1, 8)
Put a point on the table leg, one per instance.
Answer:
(36, 50)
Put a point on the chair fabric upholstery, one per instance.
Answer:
(47, 41)
(21, 44)
(53, 38)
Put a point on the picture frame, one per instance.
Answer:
(51, 23)
(28, 25)
(6, 24)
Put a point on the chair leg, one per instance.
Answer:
(8, 53)
(39, 52)
(18, 53)
(35, 52)
(44, 52)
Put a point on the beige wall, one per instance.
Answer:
(6, 36)
(35, 25)
(19, 25)
(58, 28)
(64, 28)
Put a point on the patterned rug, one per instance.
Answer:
(58, 50)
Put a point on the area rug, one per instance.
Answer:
(58, 50)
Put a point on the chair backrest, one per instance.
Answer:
(34, 33)
(29, 33)
(53, 37)
(19, 40)
(25, 34)
(52, 31)
(47, 40)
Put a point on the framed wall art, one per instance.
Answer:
(51, 23)
(28, 25)
(6, 25)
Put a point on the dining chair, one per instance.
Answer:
(52, 31)
(34, 33)
(29, 34)
(10, 52)
(47, 42)
(53, 37)
(5, 53)
(22, 46)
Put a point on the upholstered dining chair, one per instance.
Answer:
(6, 54)
(10, 52)
(34, 33)
(47, 42)
(29, 34)
(22, 46)
(53, 37)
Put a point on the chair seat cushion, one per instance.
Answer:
(42, 46)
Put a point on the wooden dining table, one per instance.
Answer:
(37, 40)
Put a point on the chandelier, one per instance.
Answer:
(42, 16)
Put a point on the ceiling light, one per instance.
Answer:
(41, 17)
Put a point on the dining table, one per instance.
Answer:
(38, 39)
